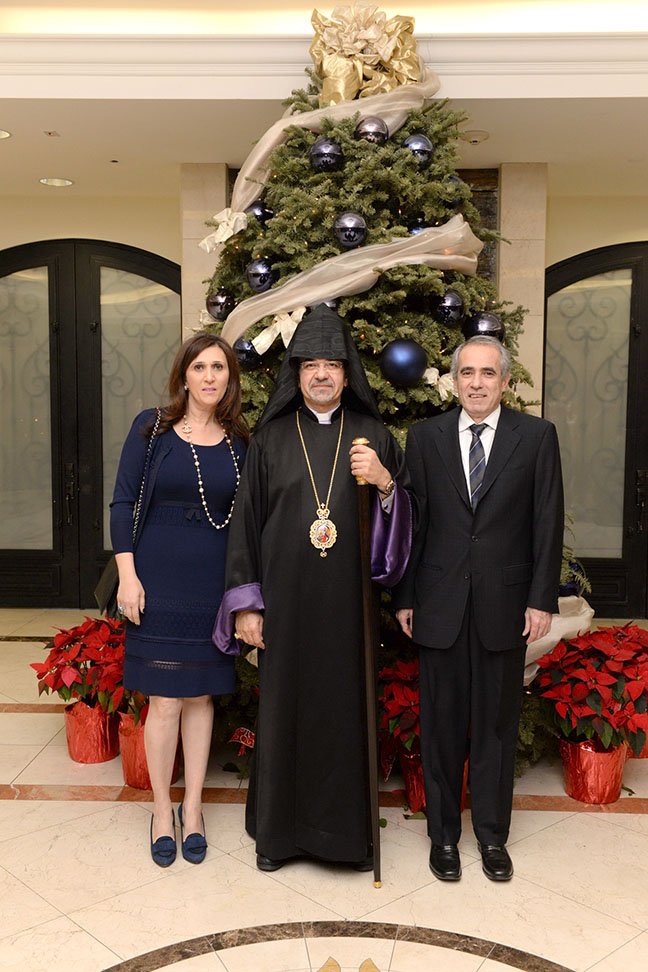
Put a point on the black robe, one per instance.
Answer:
(309, 780)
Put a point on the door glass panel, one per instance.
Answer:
(586, 379)
(25, 425)
(140, 334)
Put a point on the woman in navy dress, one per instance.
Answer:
(171, 578)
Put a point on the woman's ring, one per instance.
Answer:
(120, 608)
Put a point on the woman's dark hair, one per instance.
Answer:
(228, 410)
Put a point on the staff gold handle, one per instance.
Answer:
(361, 481)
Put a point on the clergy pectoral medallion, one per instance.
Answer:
(323, 532)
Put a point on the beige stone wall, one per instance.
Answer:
(576, 224)
(203, 194)
(521, 265)
(150, 223)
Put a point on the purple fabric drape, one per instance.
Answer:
(391, 538)
(247, 597)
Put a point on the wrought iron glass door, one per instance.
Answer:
(87, 334)
(596, 356)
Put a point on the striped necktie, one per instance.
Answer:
(476, 463)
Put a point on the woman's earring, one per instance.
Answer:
(186, 388)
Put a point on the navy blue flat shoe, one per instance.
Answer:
(164, 850)
(194, 846)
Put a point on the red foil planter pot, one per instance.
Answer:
(133, 754)
(592, 774)
(413, 774)
(92, 734)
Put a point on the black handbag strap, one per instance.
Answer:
(138, 505)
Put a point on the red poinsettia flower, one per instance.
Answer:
(86, 662)
(597, 684)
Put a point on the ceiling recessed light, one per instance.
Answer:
(4, 134)
(52, 134)
(57, 182)
(475, 136)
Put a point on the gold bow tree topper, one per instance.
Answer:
(358, 52)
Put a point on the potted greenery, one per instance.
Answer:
(85, 668)
(131, 742)
(400, 732)
(595, 687)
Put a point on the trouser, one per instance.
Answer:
(470, 700)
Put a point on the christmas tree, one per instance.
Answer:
(354, 198)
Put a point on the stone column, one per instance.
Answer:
(203, 193)
(523, 211)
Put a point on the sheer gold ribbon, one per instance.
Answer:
(393, 107)
(452, 246)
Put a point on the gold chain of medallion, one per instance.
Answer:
(323, 532)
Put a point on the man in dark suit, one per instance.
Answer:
(483, 578)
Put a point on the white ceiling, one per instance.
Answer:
(577, 102)
(593, 147)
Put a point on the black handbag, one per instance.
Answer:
(106, 590)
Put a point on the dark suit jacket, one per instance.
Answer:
(507, 554)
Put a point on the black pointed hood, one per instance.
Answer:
(321, 334)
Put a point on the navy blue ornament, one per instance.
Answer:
(247, 354)
(448, 309)
(220, 304)
(417, 224)
(421, 147)
(372, 129)
(350, 229)
(403, 361)
(260, 274)
(484, 323)
(262, 212)
(325, 154)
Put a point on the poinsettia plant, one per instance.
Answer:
(86, 662)
(399, 712)
(597, 685)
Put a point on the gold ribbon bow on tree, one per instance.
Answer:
(358, 52)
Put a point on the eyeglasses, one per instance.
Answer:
(310, 367)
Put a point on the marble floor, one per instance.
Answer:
(78, 889)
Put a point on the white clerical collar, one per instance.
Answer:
(491, 420)
(324, 418)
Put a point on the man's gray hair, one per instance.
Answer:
(490, 342)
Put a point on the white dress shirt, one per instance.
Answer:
(324, 418)
(465, 437)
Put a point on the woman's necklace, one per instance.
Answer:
(323, 532)
(186, 429)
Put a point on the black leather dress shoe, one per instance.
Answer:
(267, 863)
(444, 862)
(496, 863)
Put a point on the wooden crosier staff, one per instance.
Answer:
(364, 521)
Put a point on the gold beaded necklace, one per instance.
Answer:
(186, 429)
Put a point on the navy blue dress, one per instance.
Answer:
(180, 561)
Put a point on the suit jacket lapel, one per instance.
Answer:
(505, 442)
(447, 441)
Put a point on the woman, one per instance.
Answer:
(178, 476)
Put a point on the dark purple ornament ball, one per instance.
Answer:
(350, 230)
(220, 304)
(448, 309)
(260, 274)
(247, 354)
(484, 323)
(372, 129)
